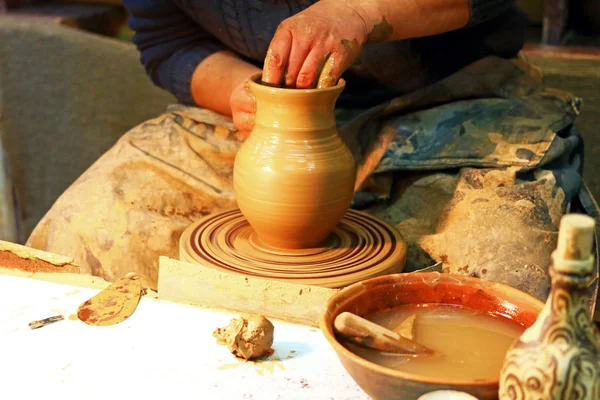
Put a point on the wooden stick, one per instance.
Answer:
(46, 321)
(368, 334)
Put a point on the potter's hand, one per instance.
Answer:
(242, 108)
(327, 37)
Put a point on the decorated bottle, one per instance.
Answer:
(558, 357)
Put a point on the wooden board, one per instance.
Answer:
(197, 285)
(26, 259)
(26, 262)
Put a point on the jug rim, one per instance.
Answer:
(254, 84)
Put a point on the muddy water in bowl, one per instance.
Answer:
(393, 292)
(471, 345)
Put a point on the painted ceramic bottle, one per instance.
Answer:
(294, 176)
(558, 357)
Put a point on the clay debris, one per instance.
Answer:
(46, 321)
(247, 338)
(114, 304)
(406, 328)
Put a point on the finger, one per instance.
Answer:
(243, 100)
(299, 52)
(244, 134)
(244, 122)
(247, 100)
(307, 77)
(333, 69)
(277, 56)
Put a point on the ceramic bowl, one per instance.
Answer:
(390, 291)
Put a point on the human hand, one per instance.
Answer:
(314, 47)
(243, 108)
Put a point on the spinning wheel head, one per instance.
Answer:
(360, 247)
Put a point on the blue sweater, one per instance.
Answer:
(174, 36)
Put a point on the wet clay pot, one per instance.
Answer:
(294, 176)
(391, 291)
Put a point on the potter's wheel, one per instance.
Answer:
(361, 247)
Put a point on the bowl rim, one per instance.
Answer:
(253, 83)
(359, 287)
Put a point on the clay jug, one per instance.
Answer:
(294, 176)
(558, 357)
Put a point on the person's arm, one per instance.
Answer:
(180, 57)
(217, 78)
(173, 47)
(404, 19)
(329, 35)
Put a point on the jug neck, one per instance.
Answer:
(308, 111)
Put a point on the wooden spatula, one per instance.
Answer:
(368, 334)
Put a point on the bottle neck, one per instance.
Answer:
(576, 284)
(569, 290)
(567, 308)
(568, 297)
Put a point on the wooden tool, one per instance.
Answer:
(368, 334)
(113, 304)
(46, 321)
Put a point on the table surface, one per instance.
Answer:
(163, 351)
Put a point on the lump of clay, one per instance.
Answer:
(407, 327)
(248, 338)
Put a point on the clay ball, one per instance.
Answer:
(247, 338)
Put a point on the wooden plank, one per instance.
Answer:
(25, 262)
(566, 52)
(15, 256)
(98, 18)
(197, 285)
(566, 62)
(562, 68)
